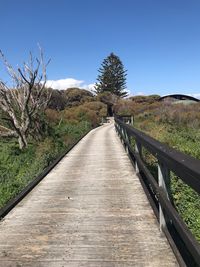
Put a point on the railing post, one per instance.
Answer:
(121, 133)
(117, 128)
(164, 183)
(132, 120)
(128, 142)
(124, 136)
(118, 131)
(138, 149)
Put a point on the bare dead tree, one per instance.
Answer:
(23, 103)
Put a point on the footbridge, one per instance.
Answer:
(101, 207)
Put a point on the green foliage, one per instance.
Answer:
(57, 100)
(179, 127)
(187, 202)
(136, 105)
(76, 96)
(145, 99)
(112, 77)
(124, 107)
(59, 129)
(61, 99)
(17, 168)
(91, 111)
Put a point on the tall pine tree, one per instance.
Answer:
(112, 77)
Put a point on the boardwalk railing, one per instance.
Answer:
(183, 243)
(127, 119)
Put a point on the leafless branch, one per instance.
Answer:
(27, 98)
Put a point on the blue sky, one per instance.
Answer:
(158, 41)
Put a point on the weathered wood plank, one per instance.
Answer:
(89, 211)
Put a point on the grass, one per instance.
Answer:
(180, 133)
(18, 168)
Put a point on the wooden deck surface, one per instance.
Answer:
(90, 211)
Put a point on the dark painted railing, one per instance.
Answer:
(127, 119)
(183, 243)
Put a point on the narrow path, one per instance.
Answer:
(90, 211)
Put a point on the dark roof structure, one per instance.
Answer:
(179, 97)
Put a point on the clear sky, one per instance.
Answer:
(158, 41)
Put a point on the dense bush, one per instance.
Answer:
(178, 126)
(136, 105)
(124, 107)
(61, 99)
(92, 112)
(145, 99)
(20, 167)
(80, 112)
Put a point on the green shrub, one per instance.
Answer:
(18, 168)
(179, 127)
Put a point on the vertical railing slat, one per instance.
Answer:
(164, 183)
(138, 149)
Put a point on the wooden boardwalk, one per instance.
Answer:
(90, 211)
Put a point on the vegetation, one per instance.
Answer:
(69, 115)
(23, 104)
(47, 121)
(20, 167)
(61, 99)
(41, 136)
(112, 77)
(178, 126)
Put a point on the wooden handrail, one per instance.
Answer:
(185, 167)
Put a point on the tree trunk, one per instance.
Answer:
(109, 110)
(22, 141)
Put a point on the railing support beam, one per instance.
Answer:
(164, 183)
(183, 166)
(138, 149)
(132, 120)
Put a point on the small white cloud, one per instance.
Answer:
(139, 93)
(69, 83)
(64, 83)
